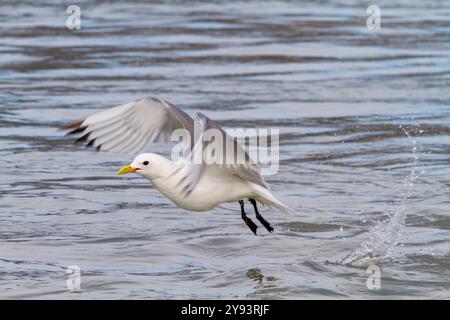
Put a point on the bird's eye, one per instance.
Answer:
(145, 163)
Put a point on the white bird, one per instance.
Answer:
(134, 126)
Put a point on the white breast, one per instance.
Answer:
(212, 189)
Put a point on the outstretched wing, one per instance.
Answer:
(134, 126)
(131, 127)
(233, 159)
(236, 160)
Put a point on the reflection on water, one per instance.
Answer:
(364, 123)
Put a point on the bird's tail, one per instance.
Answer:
(267, 198)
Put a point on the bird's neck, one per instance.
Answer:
(164, 179)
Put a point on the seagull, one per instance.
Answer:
(191, 185)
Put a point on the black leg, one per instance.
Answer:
(260, 217)
(246, 219)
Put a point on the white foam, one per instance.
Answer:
(386, 234)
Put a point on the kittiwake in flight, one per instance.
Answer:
(191, 185)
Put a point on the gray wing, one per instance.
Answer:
(131, 127)
(134, 126)
(234, 160)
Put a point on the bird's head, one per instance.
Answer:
(148, 165)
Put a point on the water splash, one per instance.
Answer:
(386, 234)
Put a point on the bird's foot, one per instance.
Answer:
(250, 224)
(264, 223)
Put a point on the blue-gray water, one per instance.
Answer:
(364, 146)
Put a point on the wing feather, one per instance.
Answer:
(134, 126)
(131, 127)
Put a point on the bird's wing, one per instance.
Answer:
(236, 161)
(131, 127)
(134, 126)
(233, 159)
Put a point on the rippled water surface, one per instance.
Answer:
(364, 147)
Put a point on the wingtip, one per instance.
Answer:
(83, 138)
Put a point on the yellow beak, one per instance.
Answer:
(126, 169)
